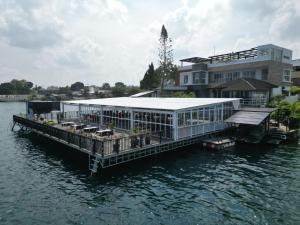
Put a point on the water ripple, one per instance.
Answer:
(42, 183)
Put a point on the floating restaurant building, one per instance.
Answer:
(118, 130)
(174, 118)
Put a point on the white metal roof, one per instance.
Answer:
(141, 94)
(154, 103)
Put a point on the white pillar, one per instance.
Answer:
(101, 117)
(79, 111)
(27, 113)
(191, 123)
(175, 126)
(131, 120)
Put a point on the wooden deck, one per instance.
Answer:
(109, 151)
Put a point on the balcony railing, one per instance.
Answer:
(258, 101)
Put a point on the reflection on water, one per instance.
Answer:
(45, 183)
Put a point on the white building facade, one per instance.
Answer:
(268, 63)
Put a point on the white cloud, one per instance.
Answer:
(59, 42)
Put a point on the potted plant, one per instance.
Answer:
(111, 125)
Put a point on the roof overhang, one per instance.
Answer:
(247, 117)
(195, 60)
(166, 104)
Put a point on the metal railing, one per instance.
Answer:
(260, 101)
(92, 143)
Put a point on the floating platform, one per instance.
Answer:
(118, 130)
(218, 143)
(104, 152)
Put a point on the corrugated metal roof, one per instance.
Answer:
(154, 103)
(246, 117)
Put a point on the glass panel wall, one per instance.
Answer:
(228, 110)
(116, 118)
(143, 121)
(153, 122)
(202, 120)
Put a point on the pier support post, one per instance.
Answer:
(13, 126)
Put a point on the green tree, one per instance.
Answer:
(151, 79)
(165, 56)
(77, 86)
(182, 94)
(275, 100)
(119, 89)
(133, 90)
(172, 74)
(17, 87)
(295, 90)
(65, 90)
(6, 89)
(106, 86)
(295, 115)
(284, 110)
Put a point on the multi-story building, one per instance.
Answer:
(254, 74)
(296, 72)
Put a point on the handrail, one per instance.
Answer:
(254, 101)
(92, 143)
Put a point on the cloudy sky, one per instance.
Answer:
(58, 42)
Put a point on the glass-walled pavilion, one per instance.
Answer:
(171, 118)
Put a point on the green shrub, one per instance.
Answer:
(295, 90)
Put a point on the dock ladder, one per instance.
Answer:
(93, 163)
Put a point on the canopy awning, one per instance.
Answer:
(246, 117)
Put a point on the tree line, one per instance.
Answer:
(23, 87)
(16, 87)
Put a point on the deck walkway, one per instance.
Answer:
(104, 151)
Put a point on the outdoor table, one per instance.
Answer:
(78, 126)
(65, 124)
(90, 129)
(106, 132)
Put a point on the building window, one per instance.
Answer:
(264, 51)
(186, 79)
(276, 54)
(199, 77)
(264, 74)
(236, 75)
(286, 76)
(216, 77)
(249, 74)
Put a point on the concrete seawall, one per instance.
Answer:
(14, 98)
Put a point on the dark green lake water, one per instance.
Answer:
(43, 183)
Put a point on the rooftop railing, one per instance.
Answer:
(257, 101)
(92, 143)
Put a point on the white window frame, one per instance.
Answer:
(284, 76)
(186, 79)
